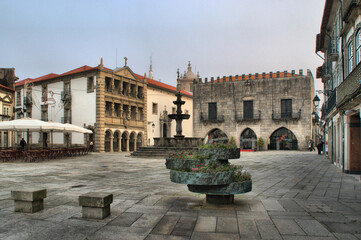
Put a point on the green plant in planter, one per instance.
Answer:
(239, 174)
(260, 143)
(191, 155)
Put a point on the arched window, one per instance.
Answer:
(358, 47)
(283, 139)
(216, 136)
(350, 57)
(248, 139)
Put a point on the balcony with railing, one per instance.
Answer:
(66, 96)
(253, 117)
(27, 101)
(5, 118)
(284, 116)
(350, 86)
(206, 119)
(66, 120)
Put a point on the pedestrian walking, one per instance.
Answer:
(320, 147)
(311, 146)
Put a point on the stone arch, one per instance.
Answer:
(108, 140)
(216, 135)
(139, 140)
(125, 142)
(116, 141)
(132, 146)
(283, 139)
(248, 139)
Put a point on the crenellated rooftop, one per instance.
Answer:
(251, 76)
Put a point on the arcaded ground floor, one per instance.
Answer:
(296, 195)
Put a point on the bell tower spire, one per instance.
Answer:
(150, 75)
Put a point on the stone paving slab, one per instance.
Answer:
(296, 196)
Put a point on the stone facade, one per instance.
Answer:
(111, 103)
(7, 96)
(266, 93)
(340, 40)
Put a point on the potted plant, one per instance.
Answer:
(260, 143)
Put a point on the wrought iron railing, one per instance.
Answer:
(350, 86)
(252, 117)
(66, 120)
(286, 115)
(205, 118)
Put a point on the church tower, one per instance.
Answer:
(187, 80)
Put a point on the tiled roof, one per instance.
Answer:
(7, 88)
(39, 79)
(87, 68)
(163, 85)
(78, 70)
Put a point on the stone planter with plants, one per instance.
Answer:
(208, 171)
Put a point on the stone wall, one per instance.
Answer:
(266, 94)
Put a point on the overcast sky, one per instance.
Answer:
(219, 37)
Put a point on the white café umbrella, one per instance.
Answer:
(74, 128)
(29, 125)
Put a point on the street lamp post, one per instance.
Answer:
(316, 102)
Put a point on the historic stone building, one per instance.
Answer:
(339, 41)
(7, 84)
(276, 107)
(160, 97)
(112, 103)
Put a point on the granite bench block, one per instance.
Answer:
(95, 205)
(28, 200)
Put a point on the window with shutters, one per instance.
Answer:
(212, 111)
(286, 108)
(247, 109)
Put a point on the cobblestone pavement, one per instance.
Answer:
(296, 195)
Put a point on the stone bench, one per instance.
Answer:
(95, 205)
(28, 200)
